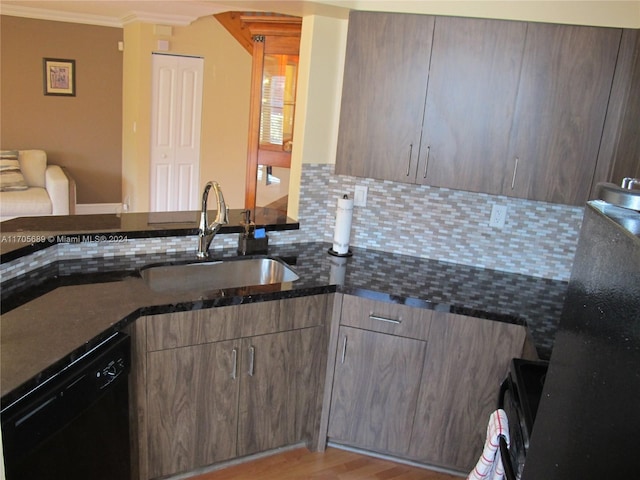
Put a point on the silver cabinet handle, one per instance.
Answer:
(410, 155)
(344, 349)
(252, 357)
(515, 172)
(384, 319)
(426, 163)
(234, 360)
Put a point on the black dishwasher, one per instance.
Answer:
(76, 424)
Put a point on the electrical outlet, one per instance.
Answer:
(360, 196)
(498, 216)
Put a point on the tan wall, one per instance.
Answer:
(225, 106)
(322, 51)
(82, 133)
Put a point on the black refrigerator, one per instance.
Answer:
(588, 422)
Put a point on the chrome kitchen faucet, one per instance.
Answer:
(206, 232)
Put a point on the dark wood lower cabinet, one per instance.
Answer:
(467, 359)
(375, 390)
(279, 386)
(427, 401)
(192, 402)
(202, 397)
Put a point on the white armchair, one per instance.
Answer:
(50, 189)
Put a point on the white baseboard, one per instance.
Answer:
(93, 208)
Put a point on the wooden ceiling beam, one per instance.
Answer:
(243, 26)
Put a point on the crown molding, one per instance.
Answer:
(100, 20)
(158, 18)
(59, 16)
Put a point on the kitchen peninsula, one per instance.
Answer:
(56, 310)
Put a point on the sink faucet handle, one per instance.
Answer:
(222, 215)
(629, 183)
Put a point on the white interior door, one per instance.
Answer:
(176, 113)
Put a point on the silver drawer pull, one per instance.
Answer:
(426, 163)
(344, 349)
(252, 359)
(384, 319)
(515, 172)
(234, 360)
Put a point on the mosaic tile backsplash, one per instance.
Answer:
(538, 239)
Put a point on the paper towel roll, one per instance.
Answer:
(344, 215)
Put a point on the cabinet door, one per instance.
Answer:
(192, 399)
(383, 96)
(281, 375)
(475, 69)
(567, 73)
(619, 154)
(467, 359)
(375, 390)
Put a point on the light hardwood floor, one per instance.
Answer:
(333, 464)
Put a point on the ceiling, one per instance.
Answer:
(117, 13)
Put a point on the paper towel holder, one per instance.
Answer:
(331, 251)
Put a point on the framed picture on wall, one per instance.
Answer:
(59, 76)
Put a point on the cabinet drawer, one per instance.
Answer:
(386, 317)
(179, 329)
(281, 315)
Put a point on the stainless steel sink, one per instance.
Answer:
(622, 197)
(216, 275)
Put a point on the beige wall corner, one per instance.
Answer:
(322, 51)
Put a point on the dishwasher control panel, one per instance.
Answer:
(111, 371)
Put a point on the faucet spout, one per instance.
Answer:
(207, 231)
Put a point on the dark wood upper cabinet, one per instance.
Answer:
(567, 73)
(499, 107)
(619, 154)
(475, 70)
(383, 96)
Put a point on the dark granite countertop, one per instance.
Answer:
(21, 236)
(57, 312)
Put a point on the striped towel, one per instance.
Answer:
(489, 467)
